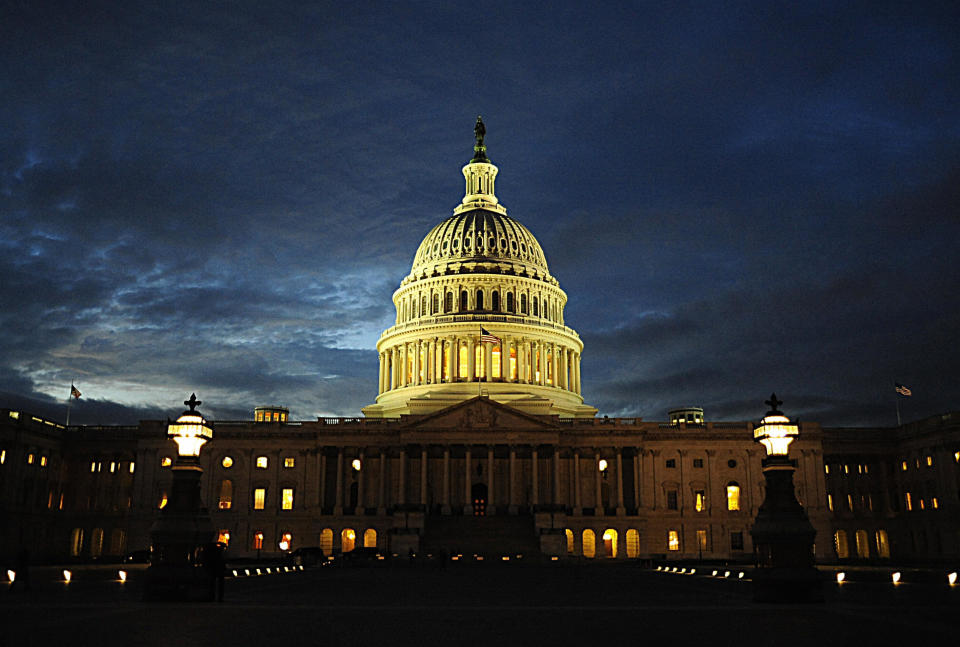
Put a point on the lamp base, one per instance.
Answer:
(786, 584)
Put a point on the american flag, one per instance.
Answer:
(902, 390)
(75, 392)
(485, 337)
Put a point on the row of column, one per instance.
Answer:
(437, 360)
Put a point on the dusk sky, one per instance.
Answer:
(221, 197)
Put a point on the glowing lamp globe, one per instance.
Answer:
(775, 431)
(190, 431)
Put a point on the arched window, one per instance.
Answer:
(610, 542)
(546, 308)
(495, 301)
(464, 301)
(863, 544)
(840, 544)
(226, 494)
(510, 303)
(883, 544)
(76, 542)
(448, 302)
(536, 309)
(348, 540)
(118, 541)
(673, 540)
(589, 544)
(569, 534)
(96, 542)
(733, 496)
(479, 300)
(523, 304)
(423, 306)
(370, 538)
(633, 543)
(436, 304)
(326, 541)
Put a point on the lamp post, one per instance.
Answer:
(184, 528)
(782, 534)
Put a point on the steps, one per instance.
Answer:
(488, 536)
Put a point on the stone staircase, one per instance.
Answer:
(488, 536)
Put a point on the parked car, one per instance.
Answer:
(360, 557)
(307, 556)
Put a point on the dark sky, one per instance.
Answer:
(221, 197)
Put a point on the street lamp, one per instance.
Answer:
(782, 534)
(183, 534)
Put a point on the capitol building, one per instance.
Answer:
(480, 443)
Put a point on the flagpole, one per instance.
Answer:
(483, 356)
(897, 396)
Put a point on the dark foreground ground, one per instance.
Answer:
(477, 605)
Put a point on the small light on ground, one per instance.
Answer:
(740, 576)
(726, 573)
(683, 570)
(895, 577)
(247, 571)
(67, 576)
(235, 572)
(692, 571)
(554, 558)
(122, 575)
(11, 575)
(952, 578)
(841, 576)
(714, 573)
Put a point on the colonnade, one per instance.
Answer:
(437, 360)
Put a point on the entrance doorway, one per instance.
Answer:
(478, 493)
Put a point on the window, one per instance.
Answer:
(862, 543)
(903, 466)
(326, 541)
(448, 302)
(3, 456)
(96, 542)
(826, 469)
(258, 540)
(610, 543)
(262, 462)
(883, 544)
(348, 540)
(702, 540)
(536, 309)
(43, 461)
(849, 502)
(464, 301)
(286, 541)
(830, 502)
(495, 301)
(223, 537)
(76, 542)
(929, 461)
(287, 498)
(671, 463)
(840, 544)
(118, 541)
(226, 494)
(435, 304)
(289, 461)
(698, 463)
(736, 540)
(370, 538)
(909, 501)
(700, 500)
(672, 500)
(132, 467)
(673, 540)
(589, 544)
(163, 501)
(569, 535)
(523, 309)
(259, 498)
(510, 303)
(733, 496)
(633, 543)
(30, 459)
(166, 461)
(93, 466)
(227, 462)
(479, 300)
(113, 466)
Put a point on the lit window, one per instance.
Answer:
(733, 496)
(356, 464)
(287, 498)
(883, 544)
(702, 540)
(701, 500)
(259, 498)
(348, 540)
(43, 461)
(830, 502)
(909, 501)
(673, 540)
(258, 540)
(846, 469)
(370, 538)
(76, 542)
(861, 539)
(166, 461)
(227, 462)
(956, 457)
(929, 461)
(93, 466)
(633, 543)
(286, 541)
(849, 502)
(859, 468)
(826, 469)
(326, 540)
(163, 501)
(132, 467)
(840, 544)
(934, 502)
(610, 543)
(602, 465)
(3, 456)
(289, 461)
(261, 462)
(922, 504)
(903, 466)
(113, 466)
(226, 494)
(99, 466)
(589, 541)
(29, 459)
(866, 469)
(224, 537)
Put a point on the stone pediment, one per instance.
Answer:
(481, 413)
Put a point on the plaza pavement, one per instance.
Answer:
(488, 604)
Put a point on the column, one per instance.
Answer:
(521, 361)
(451, 359)
(323, 479)
(401, 478)
(394, 361)
(360, 480)
(468, 502)
(542, 353)
(505, 360)
(338, 491)
(471, 359)
(535, 475)
(423, 476)
(490, 474)
(565, 368)
(512, 481)
(488, 361)
(554, 365)
(403, 364)
(445, 497)
(556, 476)
(636, 479)
(432, 370)
(598, 499)
(620, 509)
(577, 369)
(417, 348)
(380, 375)
(576, 483)
(381, 486)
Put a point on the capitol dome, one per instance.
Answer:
(479, 315)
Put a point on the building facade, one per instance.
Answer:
(480, 442)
